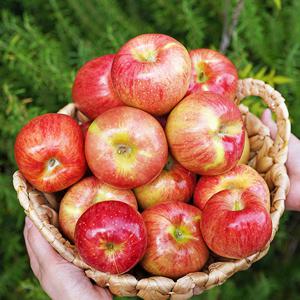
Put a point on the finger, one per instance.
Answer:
(32, 259)
(268, 121)
(103, 293)
(39, 247)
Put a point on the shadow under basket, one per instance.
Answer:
(267, 156)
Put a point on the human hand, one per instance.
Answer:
(58, 278)
(293, 163)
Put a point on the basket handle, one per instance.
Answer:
(275, 101)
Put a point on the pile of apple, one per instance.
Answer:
(160, 116)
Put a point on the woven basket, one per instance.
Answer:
(267, 157)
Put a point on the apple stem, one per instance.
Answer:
(237, 205)
(178, 233)
(110, 246)
(123, 149)
(52, 163)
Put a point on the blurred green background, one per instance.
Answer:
(44, 42)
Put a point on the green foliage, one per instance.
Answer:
(42, 45)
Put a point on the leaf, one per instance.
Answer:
(277, 4)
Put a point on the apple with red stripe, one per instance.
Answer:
(92, 90)
(84, 194)
(235, 224)
(175, 244)
(206, 134)
(49, 152)
(151, 72)
(241, 177)
(111, 237)
(126, 147)
(212, 72)
(175, 183)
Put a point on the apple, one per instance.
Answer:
(175, 244)
(151, 72)
(212, 72)
(235, 224)
(175, 183)
(241, 177)
(111, 237)
(205, 132)
(49, 152)
(126, 147)
(82, 195)
(246, 151)
(92, 90)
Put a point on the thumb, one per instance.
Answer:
(267, 120)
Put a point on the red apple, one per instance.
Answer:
(175, 183)
(49, 152)
(206, 134)
(92, 90)
(151, 72)
(241, 177)
(212, 72)
(111, 237)
(175, 244)
(84, 194)
(126, 147)
(235, 224)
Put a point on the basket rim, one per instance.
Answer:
(271, 162)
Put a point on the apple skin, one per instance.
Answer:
(212, 72)
(49, 152)
(241, 177)
(246, 151)
(126, 147)
(175, 244)
(175, 183)
(235, 224)
(151, 72)
(111, 237)
(84, 194)
(92, 90)
(205, 132)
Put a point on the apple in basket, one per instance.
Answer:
(151, 72)
(49, 152)
(212, 72)
(206, 134)
(175, 244)
(111, 237)
(175, 183)
(92, 90)
(84, 194)
(241, 177)
(236, 224)
(126, 147)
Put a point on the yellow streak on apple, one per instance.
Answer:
(219, 154)
(94, 128)
(124, 162)
(73, 210)
(153, 191)
(103, 194)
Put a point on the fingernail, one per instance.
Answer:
(28, 222)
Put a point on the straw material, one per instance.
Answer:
(268, 157)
